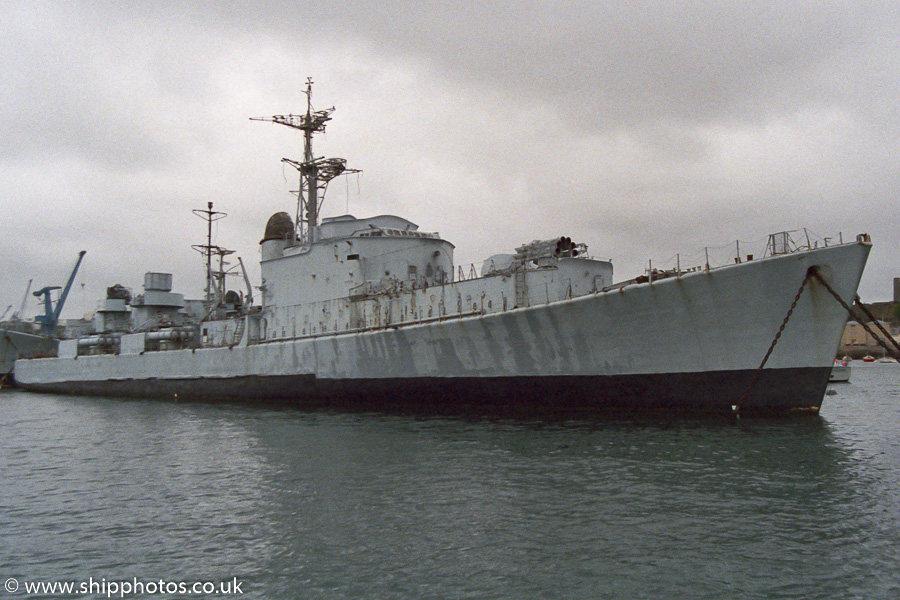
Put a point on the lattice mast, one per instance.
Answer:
(208, 250)
(315, 173)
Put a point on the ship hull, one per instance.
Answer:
(17, 344)
(786, 390)
(689, 343)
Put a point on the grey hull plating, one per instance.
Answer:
(689, 343)
(16, 344)
(775, 391)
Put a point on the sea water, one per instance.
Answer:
(159, 499)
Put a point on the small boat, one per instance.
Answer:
(868, 358)
(840, 372)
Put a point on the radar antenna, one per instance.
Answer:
(315, 173)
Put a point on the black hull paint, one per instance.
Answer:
(776, 391)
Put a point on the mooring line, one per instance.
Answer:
(894, 352)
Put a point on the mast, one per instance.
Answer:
(315, 173)
(209, 215)
(312, 170)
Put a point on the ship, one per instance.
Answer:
(38, 339)
(20, 342)
(840, 372)
(370, 312)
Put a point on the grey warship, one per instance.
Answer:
(369, 311)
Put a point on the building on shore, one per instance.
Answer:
(856, 342)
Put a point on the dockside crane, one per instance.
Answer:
(17, 315)
(50, 318)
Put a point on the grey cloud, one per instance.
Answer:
(645, 128)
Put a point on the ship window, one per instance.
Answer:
(353, 257)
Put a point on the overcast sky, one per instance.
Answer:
(644, 129)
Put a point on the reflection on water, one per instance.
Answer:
(332, 505)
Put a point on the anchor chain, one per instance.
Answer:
(737, 407)
(894, 352)
(813, 272)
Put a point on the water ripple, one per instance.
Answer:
(329, 505)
